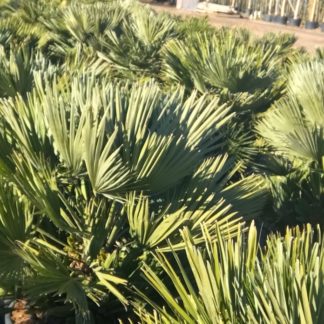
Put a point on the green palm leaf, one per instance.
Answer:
(231, 281)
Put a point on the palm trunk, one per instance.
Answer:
(297, 8)
(283, 8)
(277, 8)
(270, 7)
(312, 8)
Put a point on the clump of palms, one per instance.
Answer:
(236, 67)
(126, 142)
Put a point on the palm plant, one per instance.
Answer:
(235, 281)
(127, 36)
(23, 19)
(235, 67)
(109, 166)
(293, 130)
(229, 63)
(81, 25)
(57, 28)
(17, 67)
(135, 48)
(104, 174)
(193, 25)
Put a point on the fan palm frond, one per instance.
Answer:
(17, 67)
(222, 63)
(134, 49)
(232, 281)
(16, 225)
(293, 127)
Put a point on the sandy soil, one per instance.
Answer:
(310, 39)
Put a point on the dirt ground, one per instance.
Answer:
(310, 39)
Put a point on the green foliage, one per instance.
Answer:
(17, 68)
(236, 281)
(110, 173)
(230, 63)
(135, 48)
(128, 149)
(293, 131)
